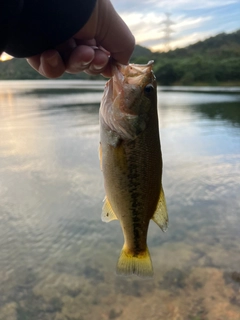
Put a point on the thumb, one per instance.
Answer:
(113, 33)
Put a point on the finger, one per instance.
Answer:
(49, 64)
(65, 49)
(113, 34)
(99, 62)
(80, 59)
(107, 72)
(34, 61)
(90, 43)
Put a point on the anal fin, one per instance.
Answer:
(160, 216)
(107, 211)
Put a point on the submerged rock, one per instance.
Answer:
(9, 311)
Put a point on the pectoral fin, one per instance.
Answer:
(107, 212)
(160, 216)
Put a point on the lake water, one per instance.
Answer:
(57, 258)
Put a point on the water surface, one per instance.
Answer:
(57, 258)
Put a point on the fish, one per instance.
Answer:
(131, 162)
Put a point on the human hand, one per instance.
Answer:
(103, 39)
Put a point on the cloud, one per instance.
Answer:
(179, 42)
(191, 5)
(149, 29)
(179, 5)
(192, 20)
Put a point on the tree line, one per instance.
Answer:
(214, 61)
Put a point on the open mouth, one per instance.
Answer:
(127, 79)
(133, 74)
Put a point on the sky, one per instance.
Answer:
(190, 20)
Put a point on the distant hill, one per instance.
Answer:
(223, 45)
(140, 51)
(214, 61)
(20, 69)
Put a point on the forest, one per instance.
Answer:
(214, 61)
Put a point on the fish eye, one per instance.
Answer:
(149, 88)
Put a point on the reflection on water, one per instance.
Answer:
(57, 259)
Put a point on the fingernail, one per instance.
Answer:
(53, 60)
(97, 67)
(84, 64)
(104, 50)
(41, 71)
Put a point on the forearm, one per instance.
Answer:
(29, 27)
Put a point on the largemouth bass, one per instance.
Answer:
(131, 162)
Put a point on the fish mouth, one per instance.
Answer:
(135, 73)
(132, 74)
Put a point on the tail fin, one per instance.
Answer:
(140, 264)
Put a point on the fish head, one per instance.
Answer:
(128, 99)
(133, 88)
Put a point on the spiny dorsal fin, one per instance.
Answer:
(107, 212)
(160, 216)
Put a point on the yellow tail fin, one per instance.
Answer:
(140, 264)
